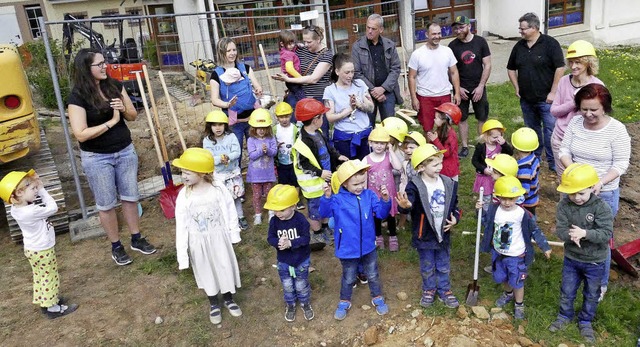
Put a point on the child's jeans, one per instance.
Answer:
(573, 273)
(260, 190)
(435, 265)
(295, 287)
(350, 271)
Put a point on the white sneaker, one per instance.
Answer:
(257, 219)
(271, 214)
(603, 291)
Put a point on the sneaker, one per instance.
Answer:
(244, 225)
(327, 233)
(233, 308)
(381, 307)
(300, 206)
(61, 301)
(290, 313)
(308, 311)
(559, 324)
(257, 219)
(317, 242)
(586, 330)
(603, 291)
(64, 310)
(428, 297)
(363, 279)
(464, 152)
(393, 243)
(519, 311)
(141, 245)
(215, 315)
(120, 256)
(449, 300)
(379, 242)
(488, 269)
(504, 299)
(271, 214)
(341, 311)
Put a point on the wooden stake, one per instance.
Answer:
(163, 146)
(149, 120)
(173, 113)
(272, 87)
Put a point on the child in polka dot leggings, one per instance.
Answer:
(21, 189)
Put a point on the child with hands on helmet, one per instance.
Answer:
(490, 143)
(382, 161)
(262, 148)
(313, 161)
(289, 234)
(508, 231)
(21, 189)
(444, 137)
(206, 229)
(432, 200)
(353, 206)
(286, 134)
(225, 148)
(412, 140)
(585, 223)
(524, 142)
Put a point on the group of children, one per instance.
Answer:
(359, 195)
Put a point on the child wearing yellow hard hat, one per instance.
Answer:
(38, 237)
(286, 132)
(289, 234)
(262, 148)
(206, 229)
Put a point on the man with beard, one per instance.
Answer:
(432, 73)
(474, 67)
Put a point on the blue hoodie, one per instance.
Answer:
(354, 232)
(227, 145)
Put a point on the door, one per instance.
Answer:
(10, 32)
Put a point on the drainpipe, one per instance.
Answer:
(546, 17)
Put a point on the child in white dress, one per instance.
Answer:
(206, 229)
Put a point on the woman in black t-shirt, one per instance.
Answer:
(98, 107)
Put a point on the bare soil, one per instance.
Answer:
(120, 305)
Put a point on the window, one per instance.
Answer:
(112, 12)
(33, 12)
(135, 11)
(565, 12)
(442, 12)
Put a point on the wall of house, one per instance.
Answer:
(500, 17)
(15, 25)
(614, 21)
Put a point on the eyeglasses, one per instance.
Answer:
(523, 29)
(100, 64)
(315, 29)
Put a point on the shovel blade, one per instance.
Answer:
(473, 289)
(167, 200)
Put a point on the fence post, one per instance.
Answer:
(63, 117)
(330, 31)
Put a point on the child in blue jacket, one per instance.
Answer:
(432, 200)
(508, 231)
(353, 208)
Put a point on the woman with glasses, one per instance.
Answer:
(315, 68)
(98, 108)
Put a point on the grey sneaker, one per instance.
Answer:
(488, 269)
(519, 311)
(559, 324)
(120, 256)
(586, 330)
(290, 313)
(317, 242)
(328, 235)
(308, 311)
(504, 299)
(244, 225)
(300, 206)
(143, 246)
(64, 310)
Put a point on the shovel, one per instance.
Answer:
(473, 288)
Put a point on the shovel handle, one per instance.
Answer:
(476, 259)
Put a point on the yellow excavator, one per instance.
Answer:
(22, 143)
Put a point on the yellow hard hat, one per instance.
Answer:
(492, 124)
(417, 137)
(217, 116)
(379, 134)
(396, 128)
(195, 159)
(525, 140)
(423, 152)
(504, 164)
(348, 169)
(508, 187)
(260, 118)
(335, 184)
(283, 109)
(577, 177)
(579, 49)
(281, 196)
(10, 182)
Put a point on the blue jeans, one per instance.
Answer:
(537, 116)
(387, 108)
(350, 271)
(110, 175)
(612, 198)
(298, 287)
(573, 273)
(241, 130)
(435, 265)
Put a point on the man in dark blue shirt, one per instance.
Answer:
(534, 68)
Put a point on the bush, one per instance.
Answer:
(151, 53)
(39, 75)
